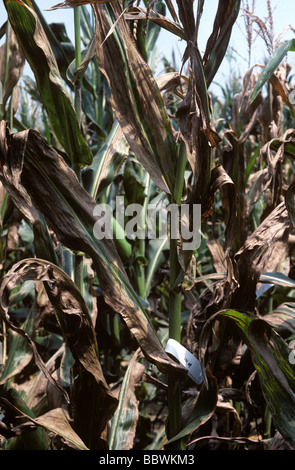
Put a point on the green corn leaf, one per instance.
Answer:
(270, 356)
(97, 177)
(271, 67)
(63, 49)
(56, 101)
(106, 163)
(155, 259)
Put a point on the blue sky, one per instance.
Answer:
(283, 16)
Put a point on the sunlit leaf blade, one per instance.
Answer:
(136, 98)
(155, 259)
(272, 65)
(50, 183)
(276, 278)
(122, 427)
(273, 279)
(106, 163)
(56, 101)
(270, 356)
(63, 50)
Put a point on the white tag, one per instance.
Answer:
(186, 359)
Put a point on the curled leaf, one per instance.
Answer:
(75, 322)
(253, 255)
(270, 356)
(73, 221)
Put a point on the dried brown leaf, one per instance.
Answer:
(252, 258)
(73, 220)
(16, 64)
(135, 96)
(75, 321)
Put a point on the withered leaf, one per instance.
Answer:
(220, 179)
(74, 319)
(51, 184)
(16, 64)
(253, 255)
(136, 98)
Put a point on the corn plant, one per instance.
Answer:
(85, 316)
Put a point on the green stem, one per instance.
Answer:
(268, 423)
(6, 54)
(6, 66)
(174, 387)
(140, 265)
(123, 246)
(175, 303)
(78, 271)
(78, 59)
(78, 259)
(77, 22)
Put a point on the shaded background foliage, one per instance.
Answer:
(84, 322)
